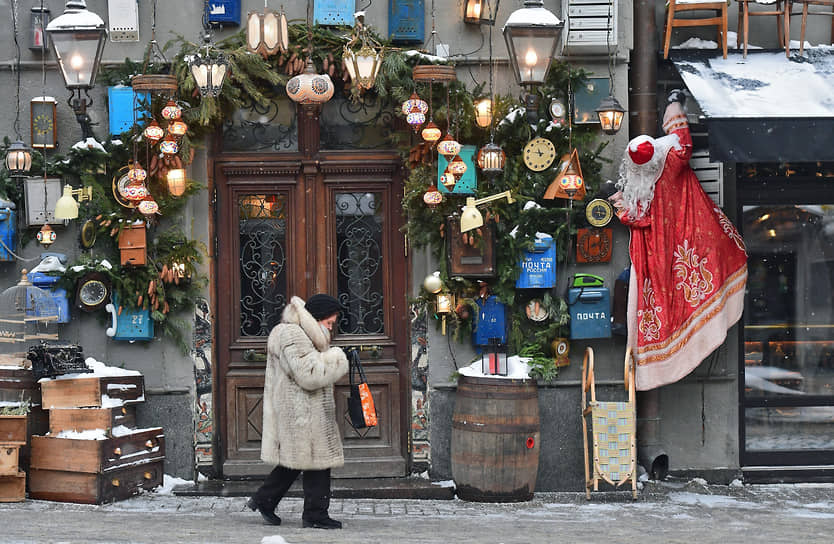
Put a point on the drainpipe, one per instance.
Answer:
(643, 120)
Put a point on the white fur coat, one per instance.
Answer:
(299, 423)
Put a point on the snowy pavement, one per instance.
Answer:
(665, 512)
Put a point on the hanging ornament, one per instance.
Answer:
(148, 207)
(415, 109)
(457, 167)
(448, 146)
(169, 145)
(176, 181)
(431, 132)
(310, 87)
(134, 191)
(432, 283)
(46, 236)
(491, 159)
(432, 197)
(448, 179)
(136, 174)
(178, 128)
(153, 132)
(171, 111)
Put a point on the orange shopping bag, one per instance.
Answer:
(361, 410)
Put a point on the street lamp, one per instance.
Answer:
(480, 12)
(78, 37)
(363, 63)
(532, 34)
(610, 114)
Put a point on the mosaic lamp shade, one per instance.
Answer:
(310, 87)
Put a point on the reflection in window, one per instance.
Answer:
(359, 262)
(263, 276)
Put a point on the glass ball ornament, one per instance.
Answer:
(431, 132)
(171, 111)
(433, 284)
(432, 197)
(153, 132)
(448, 146)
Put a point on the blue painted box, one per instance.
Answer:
(226, 12)
(492, 321)
(125, 107)
(468, 182)
(590, 312)
(8, 230)
(131, 325)
(333, 12)
(406, 21)
(538, 266)
(59, 296)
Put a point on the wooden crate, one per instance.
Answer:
(13, 488)
(9, 460)
(17, 383)
(90, 391)
(87, 419)
(13, 429)
(81, 455)
(95, 488)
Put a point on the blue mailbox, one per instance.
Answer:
(131, 325)
(125, 108)
(538, 266)
(223, 12)
(590, 312)
(333, 12)
(492, 321)
(58, 294)
(406, 21)
(8, 230)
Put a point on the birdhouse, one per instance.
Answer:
(569, 183)
(406, 21)
(125, 108)
(133, 244)
(492, 321)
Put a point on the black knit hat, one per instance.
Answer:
(321, 306)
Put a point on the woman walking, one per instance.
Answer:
(300, 434)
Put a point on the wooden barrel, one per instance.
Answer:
(495, 439)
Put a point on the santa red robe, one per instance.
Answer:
(688, 261)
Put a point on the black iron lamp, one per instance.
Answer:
(209, 66)
(532, 34)
(480, 12)
(78, 37)
(610, 114)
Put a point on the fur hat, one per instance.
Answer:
(322, 306)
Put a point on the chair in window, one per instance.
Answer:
(760, 8)
(677, 7)
(806, 4)
(612, 455)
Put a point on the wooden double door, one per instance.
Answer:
(291, 225)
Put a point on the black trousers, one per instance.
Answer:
(316, 490)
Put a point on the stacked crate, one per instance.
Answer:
(12, 438)
(93, 452)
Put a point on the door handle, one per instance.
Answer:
(254, 356)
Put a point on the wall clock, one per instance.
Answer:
(557, 111)
(42, 122)
(539, 154)
(599, 212)
(93, 291)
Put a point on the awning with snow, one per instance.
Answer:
(765, 108)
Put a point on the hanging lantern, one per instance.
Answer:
(431, 132)
(134, 191)
(153, 132)
(148, 207)
(171, 111)
(483, 113)
(457, 167)
(169, 145)
(363, 64)
(176, 181)
(610, 114)
(208, 67)
(46, 236)
(432, 197)
(266, 33)
(448, 179)
(491, 159)
(414, 100)
(136, 174)
(415, 118)
(18, 159)
(178, 128)
(448, 146)
(310, 87)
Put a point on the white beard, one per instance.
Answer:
(636, 181)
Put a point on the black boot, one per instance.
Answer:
(315, 514)
(267, 513)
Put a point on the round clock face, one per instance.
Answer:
(599, 212)
(539, 154)
(42, 124)
(93, 292)
(557, 110)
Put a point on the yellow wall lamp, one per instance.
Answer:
(67, 207)
(471, 218)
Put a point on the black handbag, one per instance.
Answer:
(359, 416)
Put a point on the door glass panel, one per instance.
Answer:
(789, 428)
(359, 263)
(262, 127)
(263, 260)
(357, 124)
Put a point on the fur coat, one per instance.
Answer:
(299, 412)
